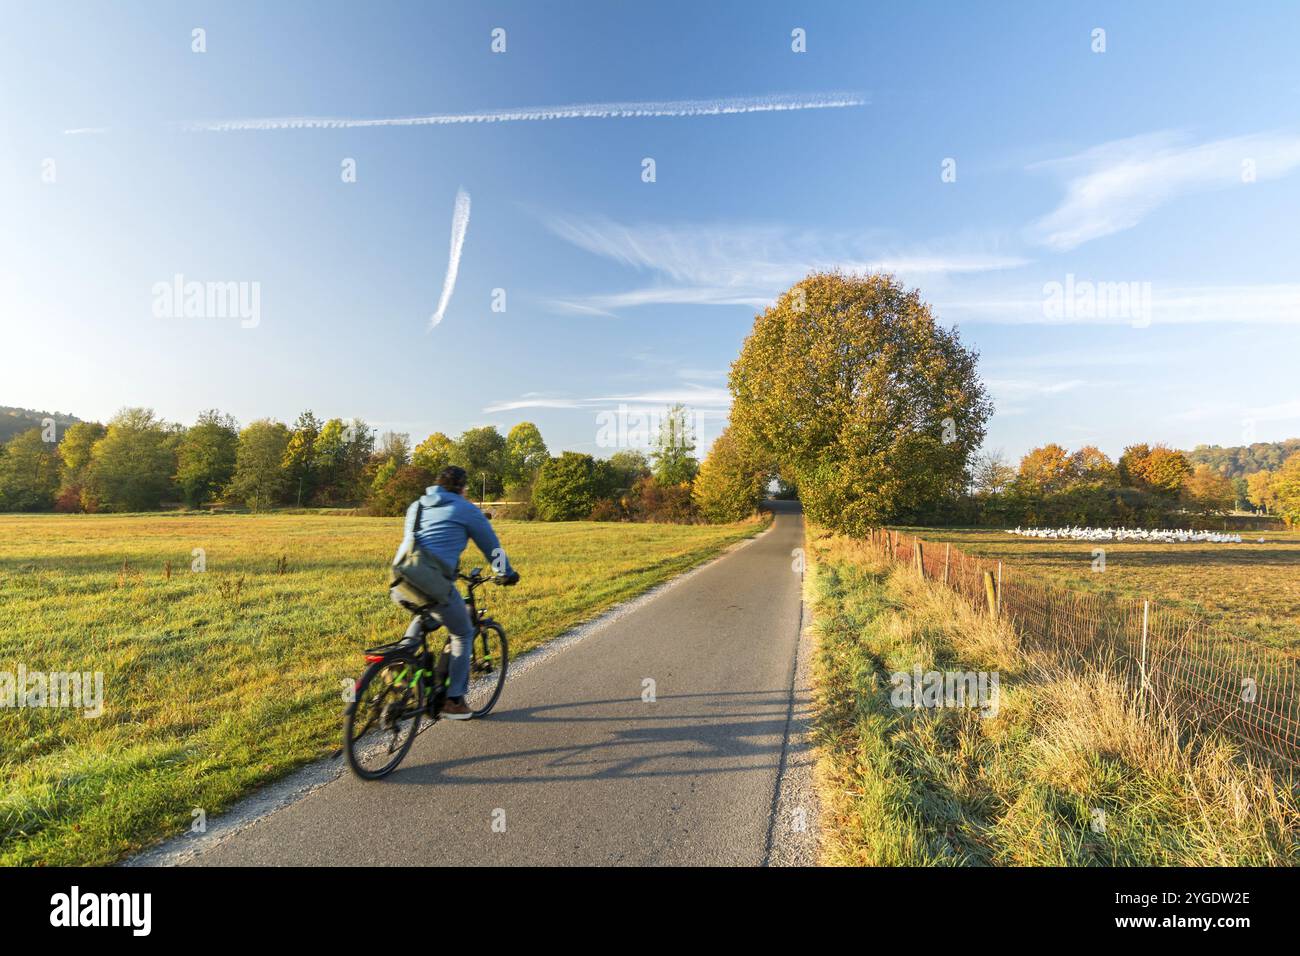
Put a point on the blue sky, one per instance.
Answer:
(1127, 166)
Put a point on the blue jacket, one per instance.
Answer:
(447, 524)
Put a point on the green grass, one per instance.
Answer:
(1250, 589)
(948, 787)
(219, 681)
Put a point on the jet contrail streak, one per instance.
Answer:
(662, 108)
(459, 224)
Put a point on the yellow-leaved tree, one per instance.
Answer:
(731, 480)
(850, 386)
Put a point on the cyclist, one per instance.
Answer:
(448, 522)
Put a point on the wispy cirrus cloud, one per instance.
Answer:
(1015, 396)
(727, 264)
(1114, 186)
(717, 106)
(698, 397)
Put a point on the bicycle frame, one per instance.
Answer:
(429, 624)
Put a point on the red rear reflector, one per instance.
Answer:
(374, 658)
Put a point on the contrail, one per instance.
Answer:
(459, 223)
(655, 108)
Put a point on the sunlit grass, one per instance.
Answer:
(1067, 773)
(217, 681)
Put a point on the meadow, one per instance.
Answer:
(228, 670)
(1065, 771)
(1250, 589)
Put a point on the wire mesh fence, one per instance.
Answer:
(1175, 664)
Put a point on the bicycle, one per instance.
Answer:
(403, 685)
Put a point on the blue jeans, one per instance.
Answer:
(455, 617)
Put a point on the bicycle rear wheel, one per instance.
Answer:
(487, 669)
(380, 725)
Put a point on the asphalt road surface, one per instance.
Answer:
(574, 766)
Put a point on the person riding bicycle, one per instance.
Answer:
(448, 522)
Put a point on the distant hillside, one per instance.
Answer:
(1240, 460)
(13, 421)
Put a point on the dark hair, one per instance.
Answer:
(453, 478)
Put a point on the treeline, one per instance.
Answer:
(1241, 461)
(14, 420)
(1150, 486)
(138, 462)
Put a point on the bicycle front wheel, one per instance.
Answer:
(487, 669)
(381, 723)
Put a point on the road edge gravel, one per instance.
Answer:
(794, 833)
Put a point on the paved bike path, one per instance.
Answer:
(578, 767)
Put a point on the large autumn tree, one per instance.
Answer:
(1158, 469)
(1047, 470)
(855, 391)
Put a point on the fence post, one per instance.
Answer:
(947, 549)
(999, 589)
(990, 593)
(920, 558)
(1146, 613)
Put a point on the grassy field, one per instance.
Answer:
(220, 680)
(1250, 589)
(1063, 773)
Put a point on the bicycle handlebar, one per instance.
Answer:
(480, 579)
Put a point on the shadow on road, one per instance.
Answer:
(722, 733)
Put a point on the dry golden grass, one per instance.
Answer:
(1067, 773)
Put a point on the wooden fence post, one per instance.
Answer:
(1142, 691)
(920, 558)
(947, 549)
(990, 594)
(999, 588)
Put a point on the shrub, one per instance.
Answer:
(652, 501)
(403, 486)
(607, 509)
(567, 487)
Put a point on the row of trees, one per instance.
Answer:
(1149, 485)
(668, 485)
(137, 462)
(1241, 461)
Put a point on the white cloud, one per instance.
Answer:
(1013, 389)
(697, 397)
(1114, 186)
(742, 265)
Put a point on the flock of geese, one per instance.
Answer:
(1128, 534)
